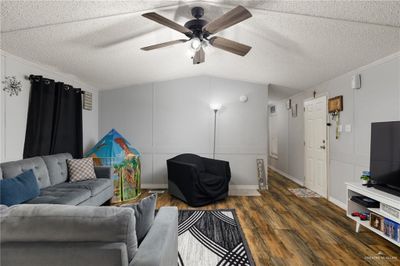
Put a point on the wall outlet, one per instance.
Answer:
(347, 128)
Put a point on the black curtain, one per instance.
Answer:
(54, 119)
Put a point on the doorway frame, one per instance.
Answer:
(327, 150)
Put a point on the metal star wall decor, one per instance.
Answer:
(11, 85)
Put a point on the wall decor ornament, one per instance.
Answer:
(11, 85)
(335, 106)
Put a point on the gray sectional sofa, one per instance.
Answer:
(55, 233)
(63, 235)
(52, 176)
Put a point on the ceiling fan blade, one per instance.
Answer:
(167, 22)
(199, 56)
(228, 19)
(230, 46)
(163, 44)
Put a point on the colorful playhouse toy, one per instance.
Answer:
(114, 150)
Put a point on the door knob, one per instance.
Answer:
(322, 147)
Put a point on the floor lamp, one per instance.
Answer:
(215, 107)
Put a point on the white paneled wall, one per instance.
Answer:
(2, 111)
(377, 100)
(168, 118)
(182, 116)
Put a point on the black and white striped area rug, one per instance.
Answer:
(209, 238)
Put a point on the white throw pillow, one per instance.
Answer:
(80, 169)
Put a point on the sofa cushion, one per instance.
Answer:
(19, 189)
(53, 195)
(12, 169)
(100, 198)
(144, 214)
(80, 169)
(57, 167)
(95, 186)
(62, 223)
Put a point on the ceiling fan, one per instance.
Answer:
(199, 32)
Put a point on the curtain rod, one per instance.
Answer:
(66, 85)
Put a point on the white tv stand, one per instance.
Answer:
(357, 189)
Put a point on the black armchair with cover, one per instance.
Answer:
(197, 180)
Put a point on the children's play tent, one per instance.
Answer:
(114, 150)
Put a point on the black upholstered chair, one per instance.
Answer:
(197, 180)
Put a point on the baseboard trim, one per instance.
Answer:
(337, 203)
(294, 179)
(165, 186)
(154, 186)
(243, 186)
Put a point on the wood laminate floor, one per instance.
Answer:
(282, 229)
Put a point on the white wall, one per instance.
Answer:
(168, 118)
(13, 109)
(377, 100)
(291, 139)
(281, 116)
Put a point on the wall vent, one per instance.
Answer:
(87, 101)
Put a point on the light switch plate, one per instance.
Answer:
(347, 128)
(340, 128)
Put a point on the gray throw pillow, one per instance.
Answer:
(144, 214)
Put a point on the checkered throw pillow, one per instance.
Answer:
(80, 169)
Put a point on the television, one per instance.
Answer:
(385, 156)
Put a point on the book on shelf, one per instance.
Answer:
(391, 229)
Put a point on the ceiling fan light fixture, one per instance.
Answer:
(198, 31)
(190, 52)
(195, 44)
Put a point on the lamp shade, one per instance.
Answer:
(215, 106)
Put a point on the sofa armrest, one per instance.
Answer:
(103, 171)
(63, 253)
(217, 167)
(160, 246)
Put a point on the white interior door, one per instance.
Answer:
(316, 145)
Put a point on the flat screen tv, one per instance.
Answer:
(385, 156)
